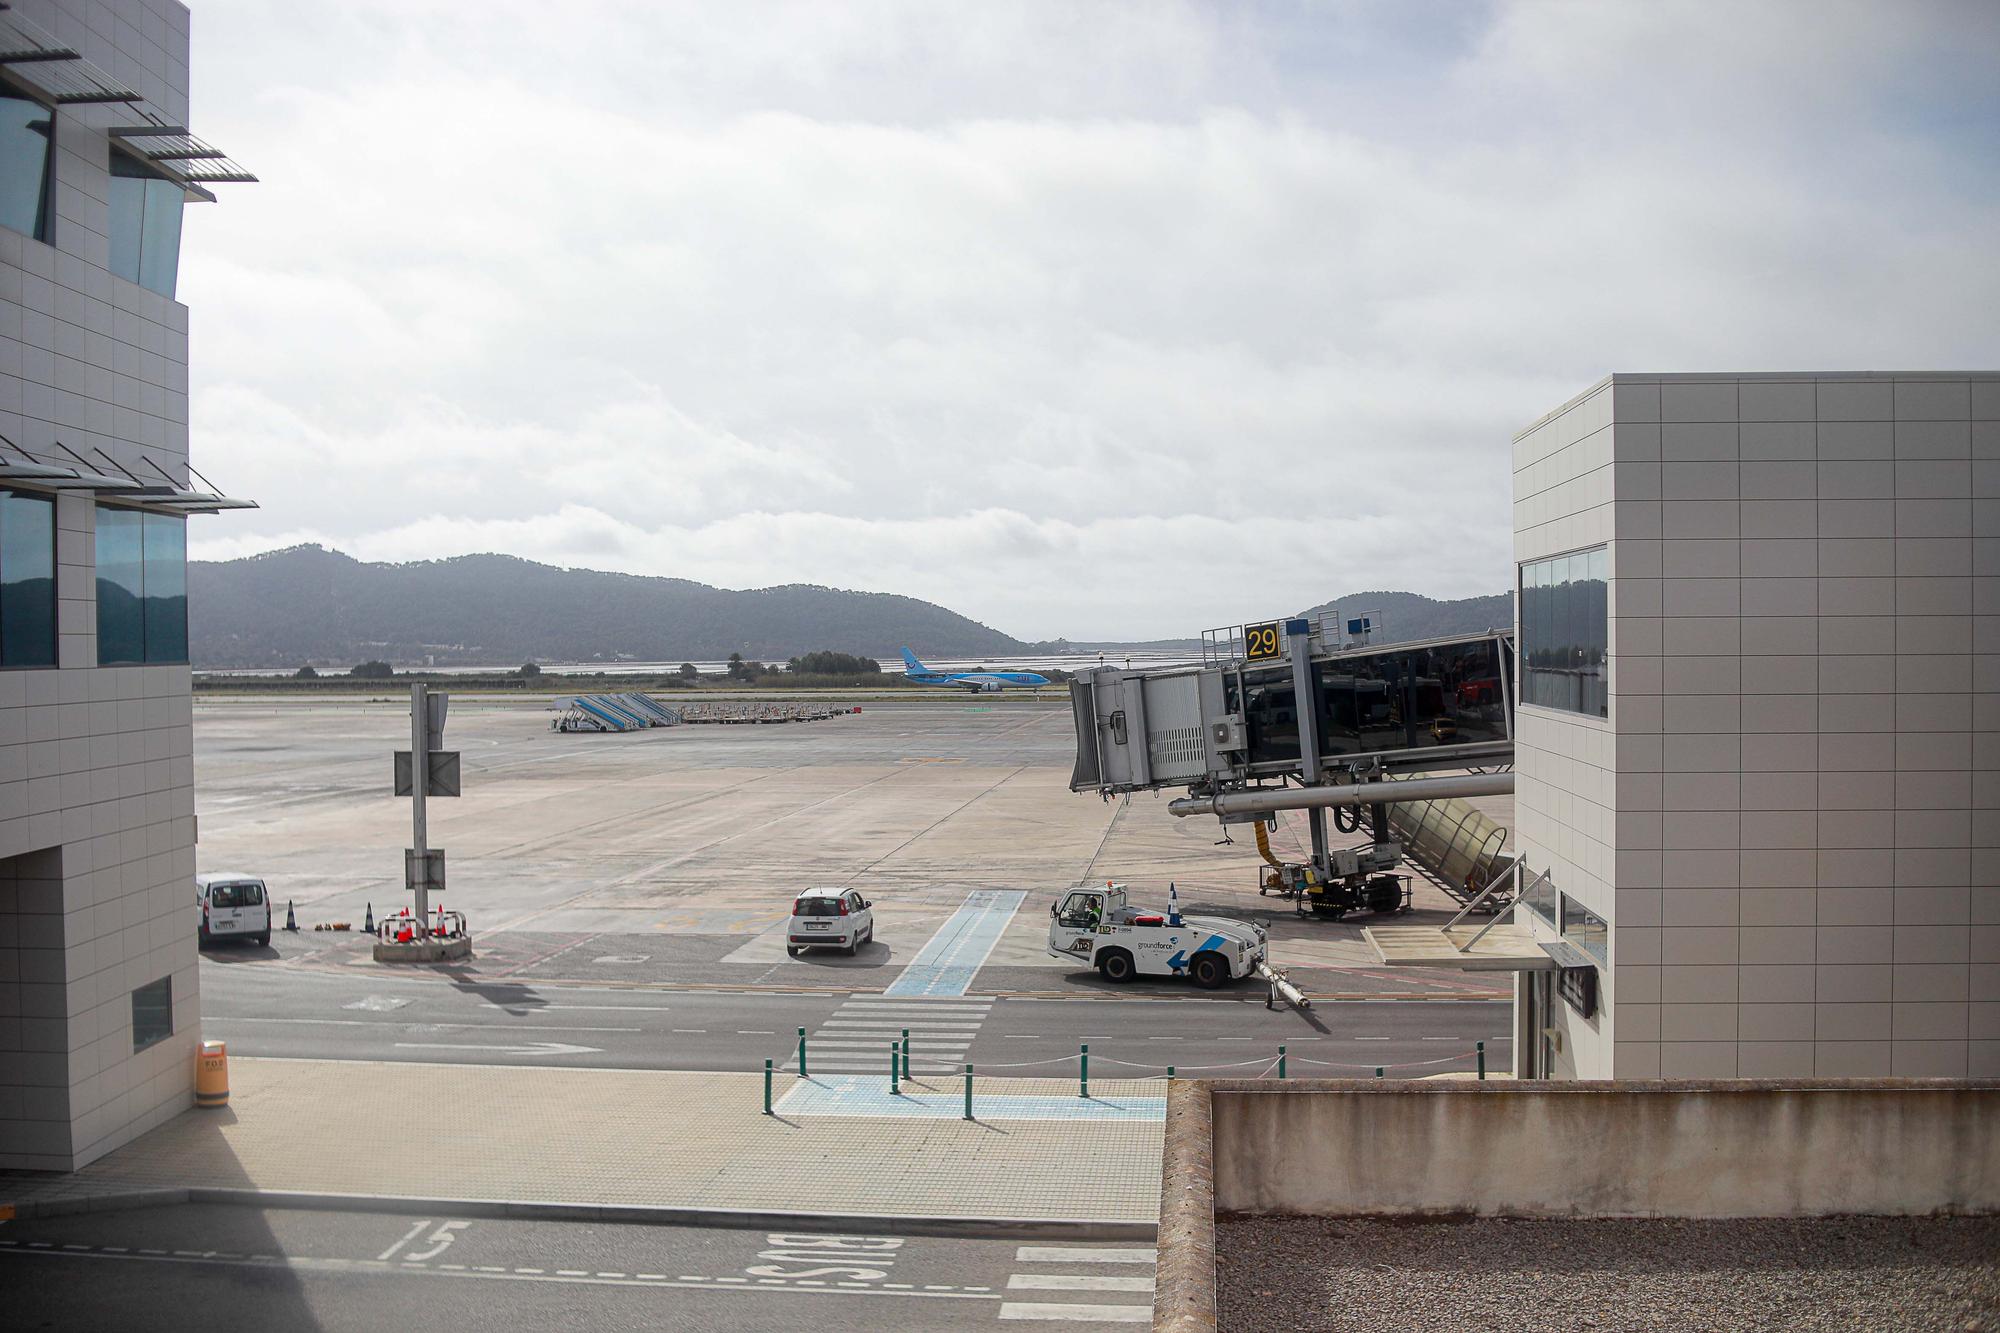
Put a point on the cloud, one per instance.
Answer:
(1113, 320)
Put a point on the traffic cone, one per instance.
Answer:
(369, 924)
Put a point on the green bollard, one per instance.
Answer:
(1378, 1071)
(906, 1055)
(1170, 1073)
(1083, 1071)
(895, 1063)
(802, 1052)
(968, 1092)
(1281, 1061)
(1481, 1049)
(767, 1085)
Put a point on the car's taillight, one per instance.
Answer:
(842, 905)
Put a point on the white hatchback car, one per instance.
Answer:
(233, 906)
(829, 918)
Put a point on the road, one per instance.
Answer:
(274, 1010)
(201, 1268)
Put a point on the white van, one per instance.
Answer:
(233, 906)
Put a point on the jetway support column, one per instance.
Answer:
(1305, 703)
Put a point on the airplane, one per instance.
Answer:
(980, 682)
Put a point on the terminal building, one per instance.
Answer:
(99, 1009)
(1758, 733)
(1751, 706)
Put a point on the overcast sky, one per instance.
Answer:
(1083, 319)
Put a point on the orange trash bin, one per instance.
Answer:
(211, 1074)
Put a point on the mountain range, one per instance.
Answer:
(309, 604)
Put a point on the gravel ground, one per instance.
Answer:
(1850, 1273)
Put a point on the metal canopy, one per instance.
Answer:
(50, 69)
(54, 70)
(165, 498)
(1496, 948)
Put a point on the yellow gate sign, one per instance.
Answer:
(1263, 642)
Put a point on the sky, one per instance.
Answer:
(1085, 320)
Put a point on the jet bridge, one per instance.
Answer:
(1283, 715)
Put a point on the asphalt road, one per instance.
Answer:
(206, 1268)
(273, 1010)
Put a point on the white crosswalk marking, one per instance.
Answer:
(855, 1038)
(1138, 1310)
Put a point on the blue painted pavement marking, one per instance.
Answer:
(862, 1095)
(953, 956)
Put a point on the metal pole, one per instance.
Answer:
(802, 1052)
(1378, 1071)
(1480, 1048)
(420, 781)
(895, 1064)
(906, 1054)
(1170, 1073)
(1281, 1061)
(968, 1092)
(1083, 1070)
(767, 1085)
(1305, 704)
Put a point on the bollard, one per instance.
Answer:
(767, 1085)
(211, 1075)
(802, 1053)
(1281, 1060)
(1378, 1071)
(1083, 1071)
(1170, 1073)
(968, 1092)
(895, 1064)
(1480, 1048)
(906, 1055)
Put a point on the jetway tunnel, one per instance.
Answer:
(1292, 720)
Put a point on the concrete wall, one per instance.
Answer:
(1791, 817)
(1727, 1149)
(96, 768)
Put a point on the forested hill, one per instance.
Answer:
(309, 604)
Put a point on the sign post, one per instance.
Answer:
(419, 789)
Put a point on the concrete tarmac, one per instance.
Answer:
(201, 1268)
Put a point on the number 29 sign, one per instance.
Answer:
(1263, 642)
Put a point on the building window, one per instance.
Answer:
(1540, 896)
(152, 1013)
(145, 225)
(27, 580)
(141, 587)
(26, 130)
(1564, 632)
(1585, 929)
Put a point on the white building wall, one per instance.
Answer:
(1802, 762)
(96, 769)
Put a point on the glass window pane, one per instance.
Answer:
(160, 237)
(152, 1013)
(27, 580)
(166, 588)
(121, 627)
(127, 221)
(24, 165)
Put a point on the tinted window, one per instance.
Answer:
(152, 1013)
(816, 907)
(27, 580)
(141, 587)
(236, 895)
(1540, 896)
(1564, 632)
(24, 166)
(1585, 929)
(145, 223)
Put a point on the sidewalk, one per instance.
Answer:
(661, 1139)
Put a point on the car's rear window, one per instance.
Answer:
(236, 895)
(816, 907)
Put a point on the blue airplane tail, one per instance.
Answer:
(910, 661)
